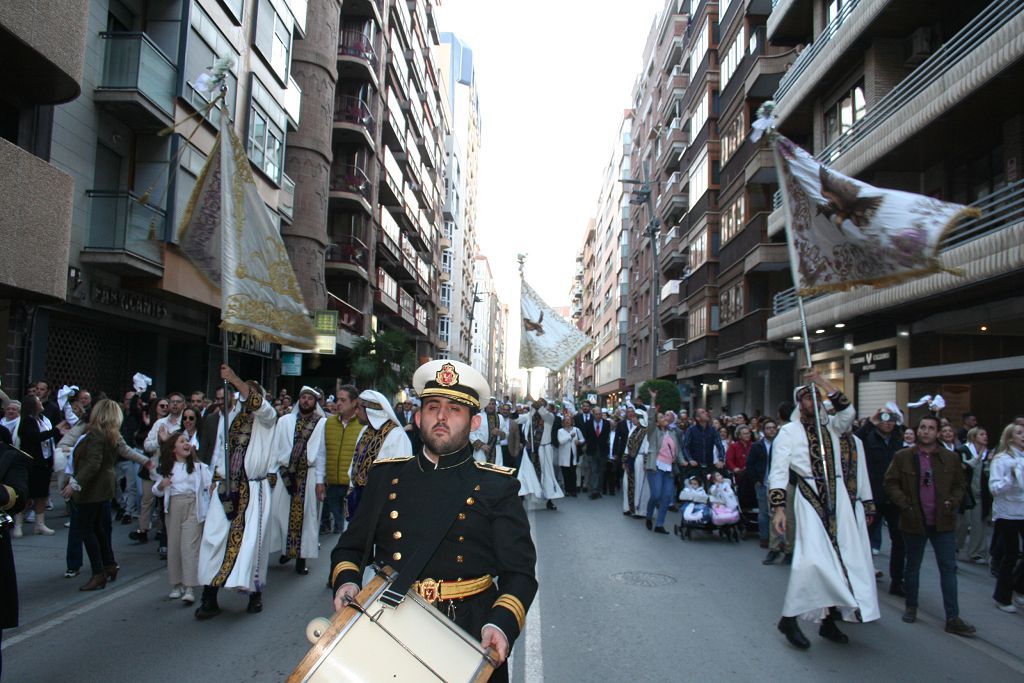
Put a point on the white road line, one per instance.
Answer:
(534, 666)
(57, 621)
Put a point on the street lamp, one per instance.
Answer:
(643, 196)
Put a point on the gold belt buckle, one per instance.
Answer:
(429, 590)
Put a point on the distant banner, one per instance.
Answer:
(843, 233)
(547, 340)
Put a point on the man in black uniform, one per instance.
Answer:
(485, 563)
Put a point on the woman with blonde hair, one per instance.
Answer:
(1006, 482)
(92, 486)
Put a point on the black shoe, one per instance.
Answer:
(910, 615)
(829, 631)
(896, 588)
(771, 557)
(208, 607)
(673, 508)
(628, 513)
(790, 629)
(788, 558)
(551, 506)
(595, 495)
(636, 516)
(300, 567)
(255, 605)
(284, 559)
(648, 524)
(660, 530)
(139, 536)
(126, 520)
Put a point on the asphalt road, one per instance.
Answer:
(616, 603)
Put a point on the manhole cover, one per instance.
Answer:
(645, 579)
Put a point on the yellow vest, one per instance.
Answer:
(341, 446)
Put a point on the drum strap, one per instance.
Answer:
(403, 581)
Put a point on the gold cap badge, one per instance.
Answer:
(447, 376)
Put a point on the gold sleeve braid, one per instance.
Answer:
(777, 498)
(513, 605)
(343, 566)
(12, 497)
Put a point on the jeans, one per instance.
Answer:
(127, 496)
(764, 518)
(662, 487)
(335, 504)
(95, 528)
(1011, 577)
(898, 552)
(74, 551)
(944, 545)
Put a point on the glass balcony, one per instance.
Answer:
(351, 179)
(125, 236)
(138, 80)
(286, 199)
(359, 45)
(353, 111)
(348, 251)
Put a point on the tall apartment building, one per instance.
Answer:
(489, 316)
(923, 97)
(375, 180)
(462, 146)
(42, 48)
(602, 274)
(130, 301)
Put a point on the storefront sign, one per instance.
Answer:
(870, 361)
(130, 303)
(246, 343)
(291, 364)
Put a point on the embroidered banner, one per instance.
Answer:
(843, 232)
(547, 340)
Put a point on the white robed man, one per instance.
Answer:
(383, 438)
(484, 438)
(295, 503)
(233, 553)
(832, 577)
(537, 477)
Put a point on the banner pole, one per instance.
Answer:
(827, 467)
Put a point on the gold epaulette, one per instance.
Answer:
(385, 461)
(492, 467)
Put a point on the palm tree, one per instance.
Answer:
(384, 363)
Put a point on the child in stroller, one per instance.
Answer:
(725, 507)
(718, 511)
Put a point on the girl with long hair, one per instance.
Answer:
(1006, 481)
(36, 435)
(185, 484)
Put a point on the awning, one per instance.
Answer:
(977, 367)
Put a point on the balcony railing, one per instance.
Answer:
(348, 250)
(120, 223)
(953, 51)
(356, 44)
(350, 318)
(749, 329)
(348, 109)
(133, 62)
(352, 179)
(998, 210)
(814, 49)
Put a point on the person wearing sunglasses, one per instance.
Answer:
(926, 482)
(169, 410)
(190, 426)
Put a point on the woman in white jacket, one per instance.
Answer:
(570, 441)
(1006, 482)
(185, 483)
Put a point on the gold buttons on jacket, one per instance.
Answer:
(470, 500)
(394, 514)
(392, 496)
(396, 556)
(477, 487)
(397, 535)
(395, 480)
(459, 559)
(462, 516)
(462, 539)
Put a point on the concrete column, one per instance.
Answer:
(308, 156)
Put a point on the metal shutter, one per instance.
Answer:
(873, 395)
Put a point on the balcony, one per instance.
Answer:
(349, 254)
(350, 318)
(351, 186)
(744, 331)
(701, 357)
(422, 320)
(364, 8)
(353, 121)
(293, 103)
(286, 198)
(138, 81)
(763, 79)
(125, 237)
(407, 307)
(357, 57)
(386, 291)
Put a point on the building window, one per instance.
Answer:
(444, 326)
(701, 43)
(446, 295)
(274, 39)
(700, 174)
(700, 114)
(732, 219)
(733, 55)
(733, 136)
(234, 8)
(731, 303)
(699, 250)
(447, 257)
(698, 322)
(847, 109)
(266, 132)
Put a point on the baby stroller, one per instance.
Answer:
(714, 512)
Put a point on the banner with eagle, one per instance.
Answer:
(843, 232)
(547, 340)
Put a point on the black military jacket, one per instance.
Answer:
(489, 534)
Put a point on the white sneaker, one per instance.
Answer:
(43, 530)
(30, 516)
(1018, 599)
(175, 593)
(1009, 609)
(874, 551)
(67, 525)
(16, 532)
(188, 597)
(49, 503)
(978, 559)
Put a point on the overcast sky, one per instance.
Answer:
(554, 77)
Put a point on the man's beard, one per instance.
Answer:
(305, 412)
(447, 443)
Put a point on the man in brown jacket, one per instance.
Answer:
(926, 483)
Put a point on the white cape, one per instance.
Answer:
(538, 492)
(281, 501)
(249, 572)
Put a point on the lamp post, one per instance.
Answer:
(642, 195)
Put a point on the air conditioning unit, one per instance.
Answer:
(918, 46)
